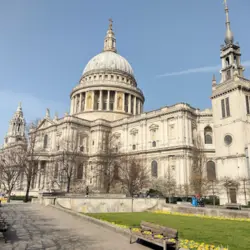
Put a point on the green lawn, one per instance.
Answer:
(234, 234)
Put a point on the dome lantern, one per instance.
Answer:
(110, 41)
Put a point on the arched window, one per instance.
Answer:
(211, 173)
(208, 135)
(154, 168)
(45, 141)
(56, 171)
(154, 144)
(79, 173)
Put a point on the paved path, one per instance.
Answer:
(38, 227)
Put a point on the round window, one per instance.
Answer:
(228, 139)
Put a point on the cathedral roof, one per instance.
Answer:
(108, 60)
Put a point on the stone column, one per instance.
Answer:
(80, 103)
(134, 108)
(115, 101)
(71, 106)
(100, 100)
(86, 100)
(123, 103)
(75, 104)
(129, 103)
(108, 100)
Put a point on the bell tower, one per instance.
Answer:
(16, 131)
(231, 117)
(230, 53)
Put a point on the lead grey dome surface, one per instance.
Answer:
(108, 60)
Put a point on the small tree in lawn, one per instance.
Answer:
(166, 185)
(12, 163)
(109, 161)
(198, 179)
(133, 174)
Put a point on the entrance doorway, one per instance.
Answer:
(232, 193)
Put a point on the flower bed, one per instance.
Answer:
(200, 216)
(183, 243)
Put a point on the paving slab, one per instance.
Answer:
(33, 227)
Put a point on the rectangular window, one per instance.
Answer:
(247, 104)
(228, 75)
(225, 107)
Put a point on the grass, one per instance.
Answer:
(234, 234)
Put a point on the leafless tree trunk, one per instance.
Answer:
(167, 185)
(198, 180)
(109, 161)
(68, 160)
(133, 174)
(245, 184)
(30, 167)
(11, 166)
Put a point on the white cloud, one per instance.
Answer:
(207, 69)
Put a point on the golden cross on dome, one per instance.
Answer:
(110, 23)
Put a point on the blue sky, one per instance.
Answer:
(45, 45)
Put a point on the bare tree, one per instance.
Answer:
(12, 164)
(109, 161)
(244, 188)
(68, 160)
(167, 185)
(31, 157)
(213, 188)
(186, 188)
(133, 174)
(198, 178)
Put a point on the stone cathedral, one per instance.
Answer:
(108, 99)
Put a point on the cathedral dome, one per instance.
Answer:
(107, 88)
(108, 60)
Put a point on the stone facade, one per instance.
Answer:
(107, 99)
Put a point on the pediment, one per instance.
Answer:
(133, 131)
(153, 127)
(117, 135)
(45, 123)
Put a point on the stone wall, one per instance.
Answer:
(217, 212)
(109, 205)
(101, 205)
